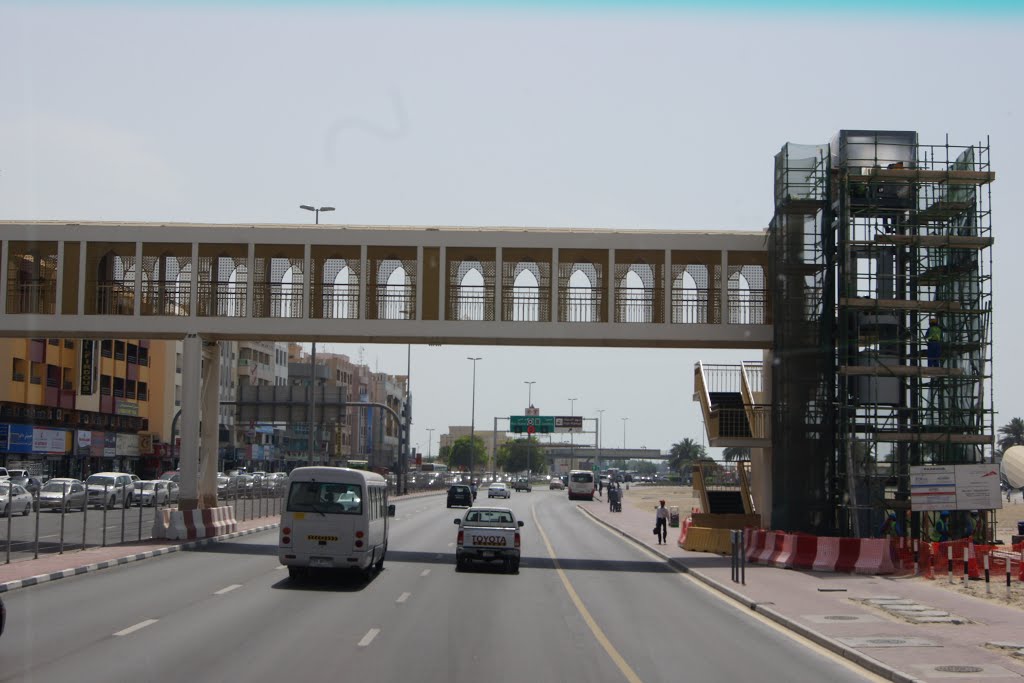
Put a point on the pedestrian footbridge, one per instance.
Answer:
(389, 284)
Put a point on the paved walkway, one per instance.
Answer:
(52, 567)
(862, 618)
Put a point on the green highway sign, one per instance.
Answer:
(541, 424)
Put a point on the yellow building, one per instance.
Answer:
(75, 406)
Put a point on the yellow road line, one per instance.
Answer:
(602, 639)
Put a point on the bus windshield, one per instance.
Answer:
(327, 498)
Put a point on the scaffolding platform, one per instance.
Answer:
(933, 241)
(934, 438)
(898, 371)
(867, 304)
(920, 175)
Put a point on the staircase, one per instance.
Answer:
(725, 502)
(732, 413)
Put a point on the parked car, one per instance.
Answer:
(499, 490)
(522, 484)
(108, 489)
(460, 494)
(14, 499)
(155, 492)
(174, 476)
(17, 473)
(62, 493)
(556, 484)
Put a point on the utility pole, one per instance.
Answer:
(472, 424)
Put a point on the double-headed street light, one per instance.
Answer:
(315, 210)
(572, 444)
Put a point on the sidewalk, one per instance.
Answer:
(855, 616)
(52, 567)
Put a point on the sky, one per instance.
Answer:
(657, 115)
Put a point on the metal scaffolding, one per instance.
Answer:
(882, 254)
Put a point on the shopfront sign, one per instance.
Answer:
(127, 445)
(109, 444)
(19, 439)
(88, 366)
(49, 441)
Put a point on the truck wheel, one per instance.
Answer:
(380, 563)
(515, 566)
(296, 573)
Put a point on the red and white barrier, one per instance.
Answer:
(193, 524)
(784, 557)
(821, 553)
(827, 554)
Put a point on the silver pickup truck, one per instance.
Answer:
(489, 535)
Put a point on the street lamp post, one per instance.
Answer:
(624, 420)
(572, 444)
(316, 210)
(472, 424)
(430, 439)
(600, 431)
(312, 358)
(529, 393)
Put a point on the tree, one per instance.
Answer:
(684, 453)
(518, 455)
(646, 468)
(460, 454)
(1011, 434)
(734, 453)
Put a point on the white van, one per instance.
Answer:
(334, 518)
(581, 484)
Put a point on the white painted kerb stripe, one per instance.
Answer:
(368, 638)
(133, 629)
(403, 597)
(230, 588)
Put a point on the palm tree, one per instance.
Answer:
(735, 453)
(1011, 434)
(684, 453)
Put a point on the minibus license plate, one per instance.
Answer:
(320, 562)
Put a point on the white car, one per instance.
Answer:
(157, 493)
(14, 499)
(499, 491)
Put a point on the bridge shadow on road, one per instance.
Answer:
(448, 558)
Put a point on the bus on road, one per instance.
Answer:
(334, 518)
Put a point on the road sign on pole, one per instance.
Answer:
(569, 423)
(542, 424)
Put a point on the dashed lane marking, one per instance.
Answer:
(368, 638)
(133, 629)
(230, 588)
(403, 597)
(424, 572)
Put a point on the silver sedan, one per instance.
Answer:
(14, 499)
(62, 493)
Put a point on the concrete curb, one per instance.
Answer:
(859, 658)
(118, 561)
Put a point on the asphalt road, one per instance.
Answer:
(601, 609)
(22, 530)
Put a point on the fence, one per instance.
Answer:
(71, 523)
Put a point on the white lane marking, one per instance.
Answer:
(451, 545)
(50, 536)
(283, 566)
(133, 629)
(368, 638)
(230, 588)
(424, 572)
(403, 597)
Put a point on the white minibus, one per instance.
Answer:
(581, 484)
(334, 518)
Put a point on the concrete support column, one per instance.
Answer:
(307, 286)
(724, 292)
(419, 282)
(611, 283)
(83, 278)
(193, 295)
(497, 283)
(58, 302)
(137, 301)
(364, 275)
(666, 283)
(5, 246)
(192, 355)
(210, 425)
(442, 285)
(250, 277)
(554, 284)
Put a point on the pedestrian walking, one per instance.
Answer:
(661, 523)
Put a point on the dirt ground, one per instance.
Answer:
(647, 497)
